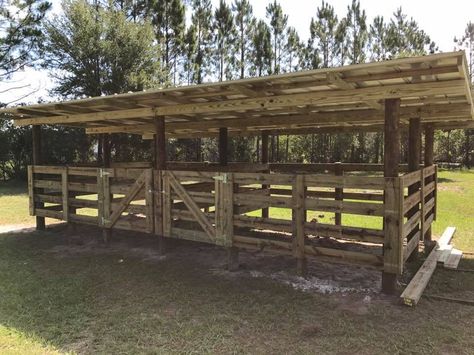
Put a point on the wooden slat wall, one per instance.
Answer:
(223, 212)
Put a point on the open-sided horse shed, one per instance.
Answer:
(216, 203)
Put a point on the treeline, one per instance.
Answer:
(98, 48)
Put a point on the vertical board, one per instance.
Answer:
(149, 200)
(100, 198)
(298, 217)
(31, 193)
(224, 214)
(107, 196)
(393, 225)
(422, 204)
(65, 194)
(167, 203)
(158, 202)
(339, 193)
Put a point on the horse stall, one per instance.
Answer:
(298, 209)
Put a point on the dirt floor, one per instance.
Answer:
(125, 297)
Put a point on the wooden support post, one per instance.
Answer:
(414, 149)
(338, 171)
(392, 217)
(298, 217)
(225, 209)
(38, 160)
(264, 160)
(106, 152)
(428, 159)
(160, 165)
(223, 146)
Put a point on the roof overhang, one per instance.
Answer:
(434, 88)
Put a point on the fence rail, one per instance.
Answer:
(311, 215)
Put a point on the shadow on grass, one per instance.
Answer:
(445, 180)
(80, 296)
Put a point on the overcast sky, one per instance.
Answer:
(442, 20)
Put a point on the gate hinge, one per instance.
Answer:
(222, 178)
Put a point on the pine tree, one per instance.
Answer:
(356, 32)
(278, 22)
(405, 38)
(244, 22)
(262, 49)
(378, 39)
(323, 40)
(201, 21)
(293, 49)
(168, 19)
(224, 33)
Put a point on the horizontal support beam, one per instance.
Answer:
(428, 89)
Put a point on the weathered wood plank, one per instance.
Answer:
(191, 205)
(65, 193)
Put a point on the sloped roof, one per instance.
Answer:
(434, 87)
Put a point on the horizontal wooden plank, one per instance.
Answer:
(195, 235)
(344, 232)
(47, 169)
(353, 182)
(346, 255)
(362, 208)
(40, 212)
(411, 178)
(77, 218)
(268, 201)
(274, 224)
(410, 246)
(411, 201)
(263, 179)
(411, 224)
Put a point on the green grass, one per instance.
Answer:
(108, 300)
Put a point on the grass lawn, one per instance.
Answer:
(59, 295)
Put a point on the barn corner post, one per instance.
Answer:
(37, 160)
(159, 164)
(414, 157)
(429, 161)
(393, 221)
(225, 223)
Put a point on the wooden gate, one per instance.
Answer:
(133, 210)
(203, 200)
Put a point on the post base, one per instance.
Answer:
(232, 259)
(301, 266)
(106, 235)
(40, 224)
(389, 283)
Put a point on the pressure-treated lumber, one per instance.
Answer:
(412, 293)
(38, 160)
(393, 259)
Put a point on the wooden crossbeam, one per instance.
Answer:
(451, 87)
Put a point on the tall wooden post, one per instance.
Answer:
(159, 165)
(232, 252)
(414, 157)
(428, 160)
(38, 160)
(392, 218)
(264, 160)
(223, 144)
(107, 199)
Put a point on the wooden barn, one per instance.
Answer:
(230, 204)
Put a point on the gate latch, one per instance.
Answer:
(222, 178)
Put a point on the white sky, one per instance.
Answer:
(442, 20)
